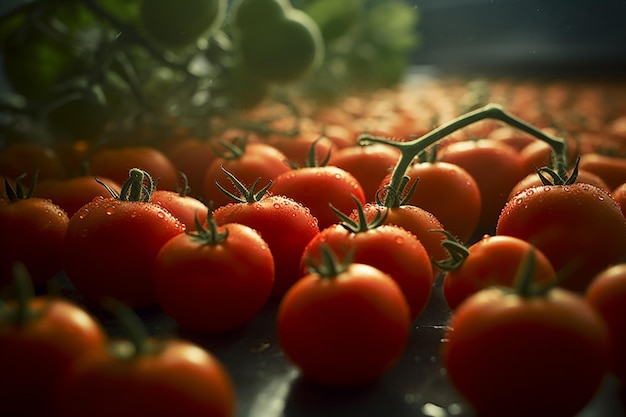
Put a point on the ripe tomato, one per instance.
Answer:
(192, 156)
(579, 227)
(146, 377)
(246, 161)
(495, 167)
(297, 149)
(114, 163)
(368, 164)
(612, 170)
(447, 191)
(343, 324)
(286, 225)
(72, 193)
(32, 231)
(493, 261)
(37, 346)
(582, 176)
(317, 187)
(110, 244)
(183, 206)
(390, 248)
(505, 352)
(214, 279)
(27, 157)
(607, 294)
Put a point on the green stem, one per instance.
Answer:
(131, 323)
(411, 149)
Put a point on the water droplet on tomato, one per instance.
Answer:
(546, 188)
(160, 215)
(530, 192)
(399, 240)
(110, 210)
(338, 176)
(519, 201)
(277, 205)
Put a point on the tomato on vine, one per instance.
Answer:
(344, 323)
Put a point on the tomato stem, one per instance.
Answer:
(131, 323)
(411, 149)
(458, 251)
(209, 235)
(24, 292)
(329, 266)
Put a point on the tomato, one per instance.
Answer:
(247, 13)
(539, 154)
(114, 163)
(582, 176)
(39, 342)
(611, 169)
(518, 355)
(512, 137)
(579, 227)
(192, 156)
(146, 376)
(246, 161)
(183, 206)
(388, 247)
(20, 158)
(214, 279)
(493, 261)
(32, 231)
(495, 167)
(180, 24)
(607, 294)
(72, 193)
(110, 244)
(447, 191)
(368, 164)
(297, 148)
(286, 225)
(317, 187)
(343, 324)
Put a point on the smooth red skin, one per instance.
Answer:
(389, 248)
(34, 356)
(180, 379)
(495, 167)
(612, 170)
(539, 154)
(185, 208)
(284, 224)
(619, 195)
(111, 255)
(417, 221)
(297, 149)
(72, 193)
(513, 356)
(511, 137)
(494, 260)
(27, 158)
(192, 156)
(214, 288)
(607, 294)
(344, 330)
(32, 230)
(259, 160)
(115, 163)
(533, 180)
(369, 164)
(447, 191)
(317, 188)
(579, 227)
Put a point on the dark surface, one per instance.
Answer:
(268, 385)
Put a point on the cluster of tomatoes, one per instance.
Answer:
(344, 228)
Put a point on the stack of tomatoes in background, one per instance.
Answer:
(217, 210)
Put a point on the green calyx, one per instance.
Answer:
(138, 187)
(361, 224)
(22, 313)
(247, 195)
(330, 266)
(18, 191)
(135, 329)
(209, 235)
(311, 159)
(558, 178)
(232, 150)
(457, 251)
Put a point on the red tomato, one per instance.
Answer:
(167, 378)
(343, 325)
(533, 180)
(192, 156)
(493, 260)
(111, 243)
(214, 279)
(539, 154)
(447, 191)
(297, 149)
(612, 170)
(607, 294)
(579, 227)
(512, 137)
(248, 162)
(390, 248)
(286, 225)
(513, 355)
(495, 167)
(72, 193)
(36, 350)
(114, 163)
(317, 187)
(32, 231)
(368, 164)
(26, 157)
(183, 206)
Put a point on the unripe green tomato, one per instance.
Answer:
(179, 23)
(284, 51)
(249, 14)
